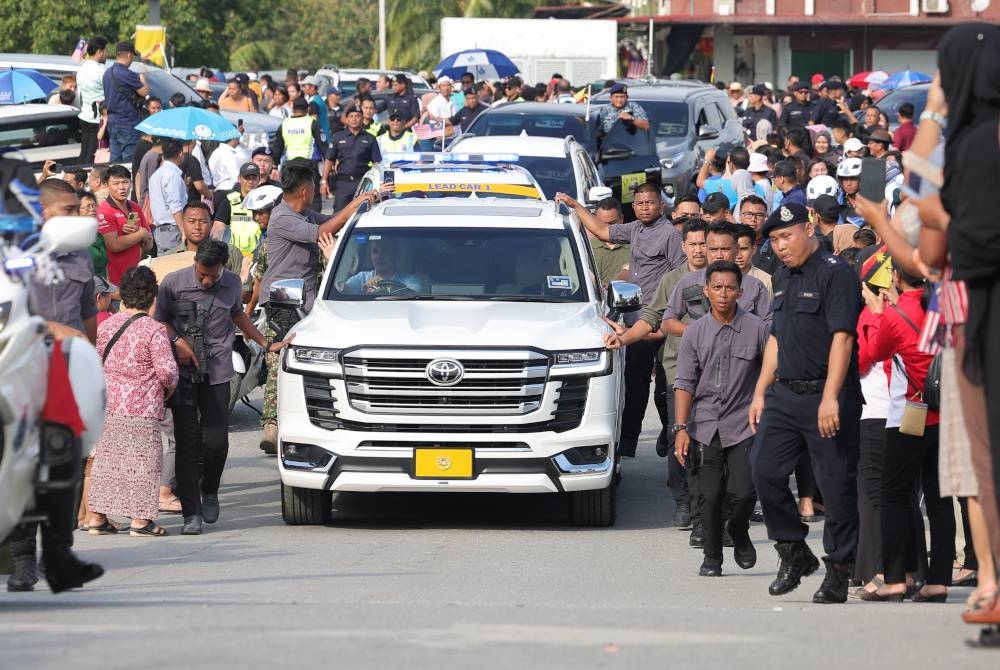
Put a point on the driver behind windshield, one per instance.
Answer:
(385, 276)
(551, 281)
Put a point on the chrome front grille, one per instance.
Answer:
(499, 383)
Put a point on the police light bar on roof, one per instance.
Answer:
(447, 157)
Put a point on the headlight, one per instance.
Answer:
(669, 162)
(586, 362)
(314, 355)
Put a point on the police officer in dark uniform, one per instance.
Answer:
(402, 102)
(800, 110)
(757, 111)
(351, 152)
(808, 397)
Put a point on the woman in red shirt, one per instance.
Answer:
(910, 460)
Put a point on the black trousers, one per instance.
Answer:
(639, 358)
(724, 480)
(868, 561)
(202, 435)
(59, 506)
(970, 562)
(343, 192)
(787, 428)
(805, 480)
(677, 474)
(911, 461)
(88, 141)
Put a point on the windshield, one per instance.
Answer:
(543, 125)
(457, 264)
(554, 175)
(890, 104)
(667, 119)
(639, 141)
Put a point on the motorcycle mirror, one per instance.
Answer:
(62, 234)
(287, 294)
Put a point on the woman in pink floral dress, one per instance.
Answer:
(140, 372)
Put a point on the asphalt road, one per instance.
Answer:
(452, 581)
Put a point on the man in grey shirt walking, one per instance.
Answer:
(655, 249)
(717, 368)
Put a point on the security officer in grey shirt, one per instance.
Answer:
(201, 306)
(655, 249)
(808, 396)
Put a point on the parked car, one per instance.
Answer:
(557, 165)
(346, 79)
(686, 117)
(916, 95)
(455, 346)
(624, 160)
(41, 132)
(259, 129)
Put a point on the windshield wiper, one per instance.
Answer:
(422, 297)
(529, 298)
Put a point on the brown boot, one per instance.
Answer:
(269, 441)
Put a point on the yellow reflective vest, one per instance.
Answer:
(296, 131)
(243, 230)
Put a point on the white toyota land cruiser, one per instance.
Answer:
(456, 345)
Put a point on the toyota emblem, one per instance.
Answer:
(444, 372)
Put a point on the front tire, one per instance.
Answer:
(596, 508)
(305, 507)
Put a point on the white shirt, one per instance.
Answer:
(90, 89)
(206, 174)
(441, 107)
(875, 388)
(167, 193)
(224, 166)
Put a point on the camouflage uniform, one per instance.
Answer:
(269, 414)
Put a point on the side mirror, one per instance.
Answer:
(287, 294)
(624, 297)
(615, 152)
(708, 132)
(598, 193)
(62, 234)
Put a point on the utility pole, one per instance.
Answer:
(381, 34)
(154, 12)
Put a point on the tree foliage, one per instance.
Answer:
(245, 34)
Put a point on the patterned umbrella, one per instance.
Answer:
(482, 63)
(24, 85)
(189, 123)
(905, 78)
(868, 79)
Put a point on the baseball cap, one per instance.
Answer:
(715, 202)
(262, 151)
(352, 109)
(758, 163)
(249, 170)
(126, 47)
(102, 285)
(786, 215)
(395, 116)
(616, 88)
(834, 84)
(801, 86)
(817, 78)
(736, 86)
(333, 90)
(202, 85)
(827, 207)
(853, 144)
(759, 89)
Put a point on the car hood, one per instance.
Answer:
(549, 326)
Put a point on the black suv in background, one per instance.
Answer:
(622, 158)
(686, 117)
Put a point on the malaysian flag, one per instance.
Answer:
(429, 130)
(933, 332)
(81, 48)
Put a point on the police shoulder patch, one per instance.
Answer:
(832, 260)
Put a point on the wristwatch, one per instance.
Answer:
(940, 119)
(173, 340)
(678, 427)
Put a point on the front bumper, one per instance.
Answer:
(508, 460)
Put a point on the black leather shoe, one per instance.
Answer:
(697, 539)
(757, 515)
(192, 525)
(210, 507)
(25, 574)
(710, 567)
(663, 442)
(682, 516)
(797, 561)
(69, 572)
(744, 553)
(834, 586)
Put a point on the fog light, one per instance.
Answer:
(296, 456)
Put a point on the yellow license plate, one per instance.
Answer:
(442, 463)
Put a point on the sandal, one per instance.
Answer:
(106, 528)
(149, 530)
(171, 505)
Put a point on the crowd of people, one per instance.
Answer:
(791, 325)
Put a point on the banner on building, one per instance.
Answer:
(151, 43)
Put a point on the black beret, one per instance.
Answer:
(786, 215)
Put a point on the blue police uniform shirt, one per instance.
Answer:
(811, 303)
(355, 152)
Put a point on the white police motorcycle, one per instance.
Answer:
(40, 431)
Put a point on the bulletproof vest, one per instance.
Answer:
(296, 131)
(244, 231)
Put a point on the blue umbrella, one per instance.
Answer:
(22, 85)
(189, 123)
(482, 63)
(905, 78)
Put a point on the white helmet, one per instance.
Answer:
(262, 198)
(86, 379)
(849, 167)
(822, 184)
